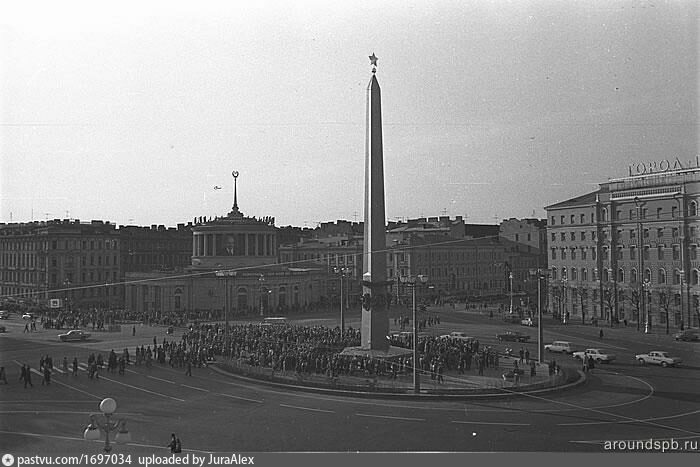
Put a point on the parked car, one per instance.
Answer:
(687, 335)
(513, 336)
(4, 314)
(28, 316)
(599, 355)
(2, 328)
(74, 335)
(658, 357)
(458, 335)
(528, 322)
(559, 346)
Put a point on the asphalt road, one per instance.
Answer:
(212, 412)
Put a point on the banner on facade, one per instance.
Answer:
(54, 303)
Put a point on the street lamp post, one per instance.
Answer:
(343, 273)
(413, 282)
(227, 304)
(640, 275)
(510, 278)
(564, 281)
(92, 433)
(647, 290)
(261, 279)
(681, 232)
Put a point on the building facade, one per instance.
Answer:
(628, 251)
(234, 270)
(66, 264)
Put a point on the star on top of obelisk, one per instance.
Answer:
(373, 61)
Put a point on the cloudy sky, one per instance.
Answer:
(133, 111)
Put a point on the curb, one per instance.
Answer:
(503, 393)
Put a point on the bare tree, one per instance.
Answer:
(609, 298)
(634, 297)
(582, 294)
(665, 303)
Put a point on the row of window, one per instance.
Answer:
(632, 214)
(574, 252)
(575, 274)
(632, 234)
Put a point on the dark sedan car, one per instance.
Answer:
(513, 336)
(74, 335)
(687, 335)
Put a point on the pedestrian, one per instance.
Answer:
(65, 364)
(2, 374)
(173, 443)
(601, 334)
(133, 331)
(47, 376)
(189, 368)
(533, 368)
(75, 366)
(522, 354)
(527, 355)
(27, 376)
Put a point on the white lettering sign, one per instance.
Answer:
(663, 165)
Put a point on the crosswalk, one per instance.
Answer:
(82, 366)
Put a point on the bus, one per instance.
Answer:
(274, 321)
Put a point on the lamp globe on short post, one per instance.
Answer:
(92, 432)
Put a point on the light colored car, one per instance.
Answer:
(458, 335)
(658, 357)
(528, 322)
(28, 316)
(4, 314)
(599, 355)
(74, 335)
(559, 346)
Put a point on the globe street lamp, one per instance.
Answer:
(261, 279)
(344, 272)
(412, 282)
(563, 292)
(510, 277)
(647, 290)
(92, 433)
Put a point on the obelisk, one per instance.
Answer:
(375, 316)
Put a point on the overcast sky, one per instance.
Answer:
(133, 112)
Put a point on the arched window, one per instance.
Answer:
(693, 209)
(605, 276)
(584, 274)
(694, 277)
(633, 276)
(604, 214)
(662, 276)
(554, 273)
(574, 274)
(563, 273)
(620, 275)
(647, 275)
(676, 276)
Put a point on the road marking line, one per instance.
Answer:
(66, 385)
(238, 397)
(193, 387)
(390, 417)
(490, 423)
(306, 408)
(141, 389)
(161, 379)
(652, 419)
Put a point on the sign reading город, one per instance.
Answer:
(663, 165)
